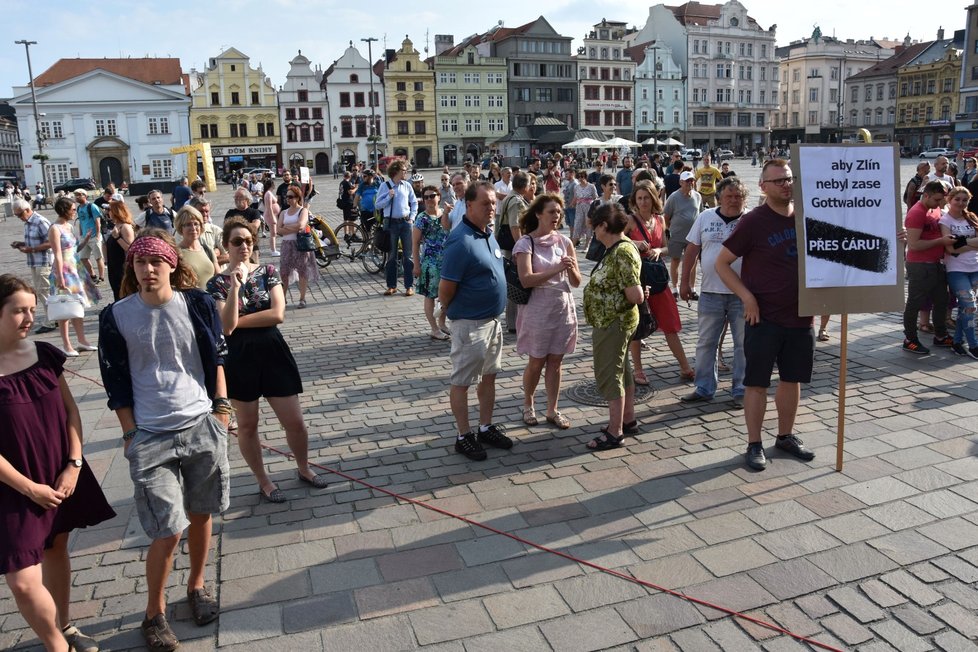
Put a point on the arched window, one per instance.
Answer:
(407, 66)
(354, 79)
(604, 53)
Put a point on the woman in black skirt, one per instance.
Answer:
(259, 362)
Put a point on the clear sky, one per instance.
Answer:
(271, 31)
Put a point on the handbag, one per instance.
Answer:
(515, 291)
(382, 240)
(65, 306)
(647, 323)
(595, 250)
(305, 240)
(654, 273)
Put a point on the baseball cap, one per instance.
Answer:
(79, 191)
(687, 176)
(118, 197)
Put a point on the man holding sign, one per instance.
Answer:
(775, 333)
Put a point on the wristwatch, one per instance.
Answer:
(75, 463)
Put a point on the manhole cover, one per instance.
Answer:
(586, 392)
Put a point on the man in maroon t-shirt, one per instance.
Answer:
(775, 333)
(926, 278)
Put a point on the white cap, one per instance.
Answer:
(687, 176)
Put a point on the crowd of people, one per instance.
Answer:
(192, 340)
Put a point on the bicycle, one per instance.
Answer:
(327, 244)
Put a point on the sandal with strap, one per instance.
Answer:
(640, 378)
(529, 416)
(203, 606)
(158, 634)
(822, 335)
(559, 420)
(605, 442)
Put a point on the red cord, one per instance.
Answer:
(609, 571)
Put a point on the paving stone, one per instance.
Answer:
(780, 515)
(852, 562)
(363, 544)
(791, 578)
(521, 639)
(793, 619)
(516, 608)
(725, 527)
(380, 635)
(659, 614)
(714, 503)
(593, 630)
(953, 533)
(344, 575)
(689, 640)
(386, 518)
(672, 572)
(899, 515)
(264, 589)
(489, 549)
(796, 541)
(916, 619)
(733, 557)
(663, 542)
(856, 605)
(244, 625)
(553, 511)
(729, 637)
(880, 490)
(927, 572)
(911, 587)
(597, 589)
(450, 622)
(830, 502)
(943, 503)
(397, 597)
(881, 594)
(958, 567)
(850, 528)
(471, 583)
(319, 612)
(738, 592)
(662, 515)
(954, 642)
(907, 547)
(419, 562)
(302, 555)
(962, 620)
(847, 629)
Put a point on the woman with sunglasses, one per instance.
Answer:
(189, 225)
(431, 228)
(65, 276)
(259, 362)
(291, 221)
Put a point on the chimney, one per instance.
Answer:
(444, 43)
(940, 33)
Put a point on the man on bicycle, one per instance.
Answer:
(365, 198)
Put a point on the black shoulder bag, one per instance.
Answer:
(515, 291)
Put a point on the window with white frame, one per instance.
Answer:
(446, 78)
(159, 125)
(161, 168)
(58, 172)
(105, 127)
(468, 124)
(52, 129)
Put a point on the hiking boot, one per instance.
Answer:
(469, 446)
(755, 456)
(945, 342)
(914, 346)
(496, 437)
(78, 641)
(792, 444)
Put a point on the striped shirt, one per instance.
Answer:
(35, 234)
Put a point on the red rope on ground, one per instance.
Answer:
(603, 569)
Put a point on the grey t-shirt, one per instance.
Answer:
(681, 211)
(168, 387)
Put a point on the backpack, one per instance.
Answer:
(155, 221)
(917, 182)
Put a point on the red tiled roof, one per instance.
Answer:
(695, 13)
(890, 65)
(146, 70)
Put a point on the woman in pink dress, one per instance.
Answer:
(272, 209)
(546, 327)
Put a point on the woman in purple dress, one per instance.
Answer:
(46, 487)
(546, 327)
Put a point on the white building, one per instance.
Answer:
(303, 114)
(348, 96)
(660, 93)
(109, 119)
(731, 67)
(10, 162)
(606, 76)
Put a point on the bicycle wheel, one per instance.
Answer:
(325, 238)
(352, 237)
(374, 260)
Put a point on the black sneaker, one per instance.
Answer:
(469, 446)
(973, 352)
(915, 346)
(791, 444)
(945, 342)
(496, 437)
(958, 347)
(694, 397)
(755, 456)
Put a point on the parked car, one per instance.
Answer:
(724, 155)
(934, 152)
(691, 154)
(259, 172)
(76, 184)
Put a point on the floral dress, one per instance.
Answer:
(433, 237)
(76, 283)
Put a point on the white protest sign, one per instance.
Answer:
(848, 207)
(303, 174)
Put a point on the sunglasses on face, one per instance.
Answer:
(431, 196)
(237, 242)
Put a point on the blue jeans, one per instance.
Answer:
(964, 285)
(401, 231)
(713, 310)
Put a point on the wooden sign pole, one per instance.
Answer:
(841, 426)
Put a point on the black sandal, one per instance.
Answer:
(605, 442)
(203, 606)
(630, 428)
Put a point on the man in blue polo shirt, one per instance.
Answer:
(473, 293)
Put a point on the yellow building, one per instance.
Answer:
(928, 97)
(235, 109)
(409, 89)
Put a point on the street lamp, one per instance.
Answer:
(37, 120)
(373, 120)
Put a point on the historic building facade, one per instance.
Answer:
(471, 98)
(409, 91)
(114, 120)
(928, 97)
(235, 109)
(354, 95)
(966, 118)
(660, 94)
(303, 118)
(606, 74)
(871, 95)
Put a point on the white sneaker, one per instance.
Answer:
(274, 252)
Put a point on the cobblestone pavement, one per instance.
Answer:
(881, 556)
